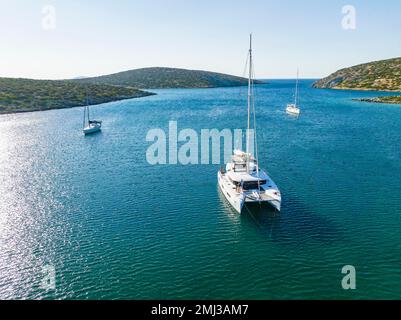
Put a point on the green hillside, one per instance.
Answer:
(156, 78)
(382, 75)
(22, 95)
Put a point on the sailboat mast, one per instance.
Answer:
(87, 103)
(296, 88)
(86, 108)
(248, 136)
(84, 117)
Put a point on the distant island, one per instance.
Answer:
(26, 95)
(384, 75)
(162, 78)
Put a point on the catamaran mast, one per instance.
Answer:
(248, 136)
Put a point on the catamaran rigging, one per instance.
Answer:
(242, 181)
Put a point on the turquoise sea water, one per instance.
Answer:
(115, 227)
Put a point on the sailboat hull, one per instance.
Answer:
(293, 110)
(92, 129)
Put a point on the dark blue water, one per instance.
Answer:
(115, 227)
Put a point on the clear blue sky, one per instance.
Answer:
(93, 37)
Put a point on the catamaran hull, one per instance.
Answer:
(238, 201)
(268, 205)
(274, 203)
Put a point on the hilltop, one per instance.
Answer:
(384, 75)
(158, 78)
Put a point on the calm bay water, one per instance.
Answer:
(115, 227)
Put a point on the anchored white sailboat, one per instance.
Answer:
(242, 181)
(90, 126)
(293, 109)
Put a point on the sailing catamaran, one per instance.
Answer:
(242, 181)
(293, 109)
(90, 126)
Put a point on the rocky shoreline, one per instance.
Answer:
(389, 100)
